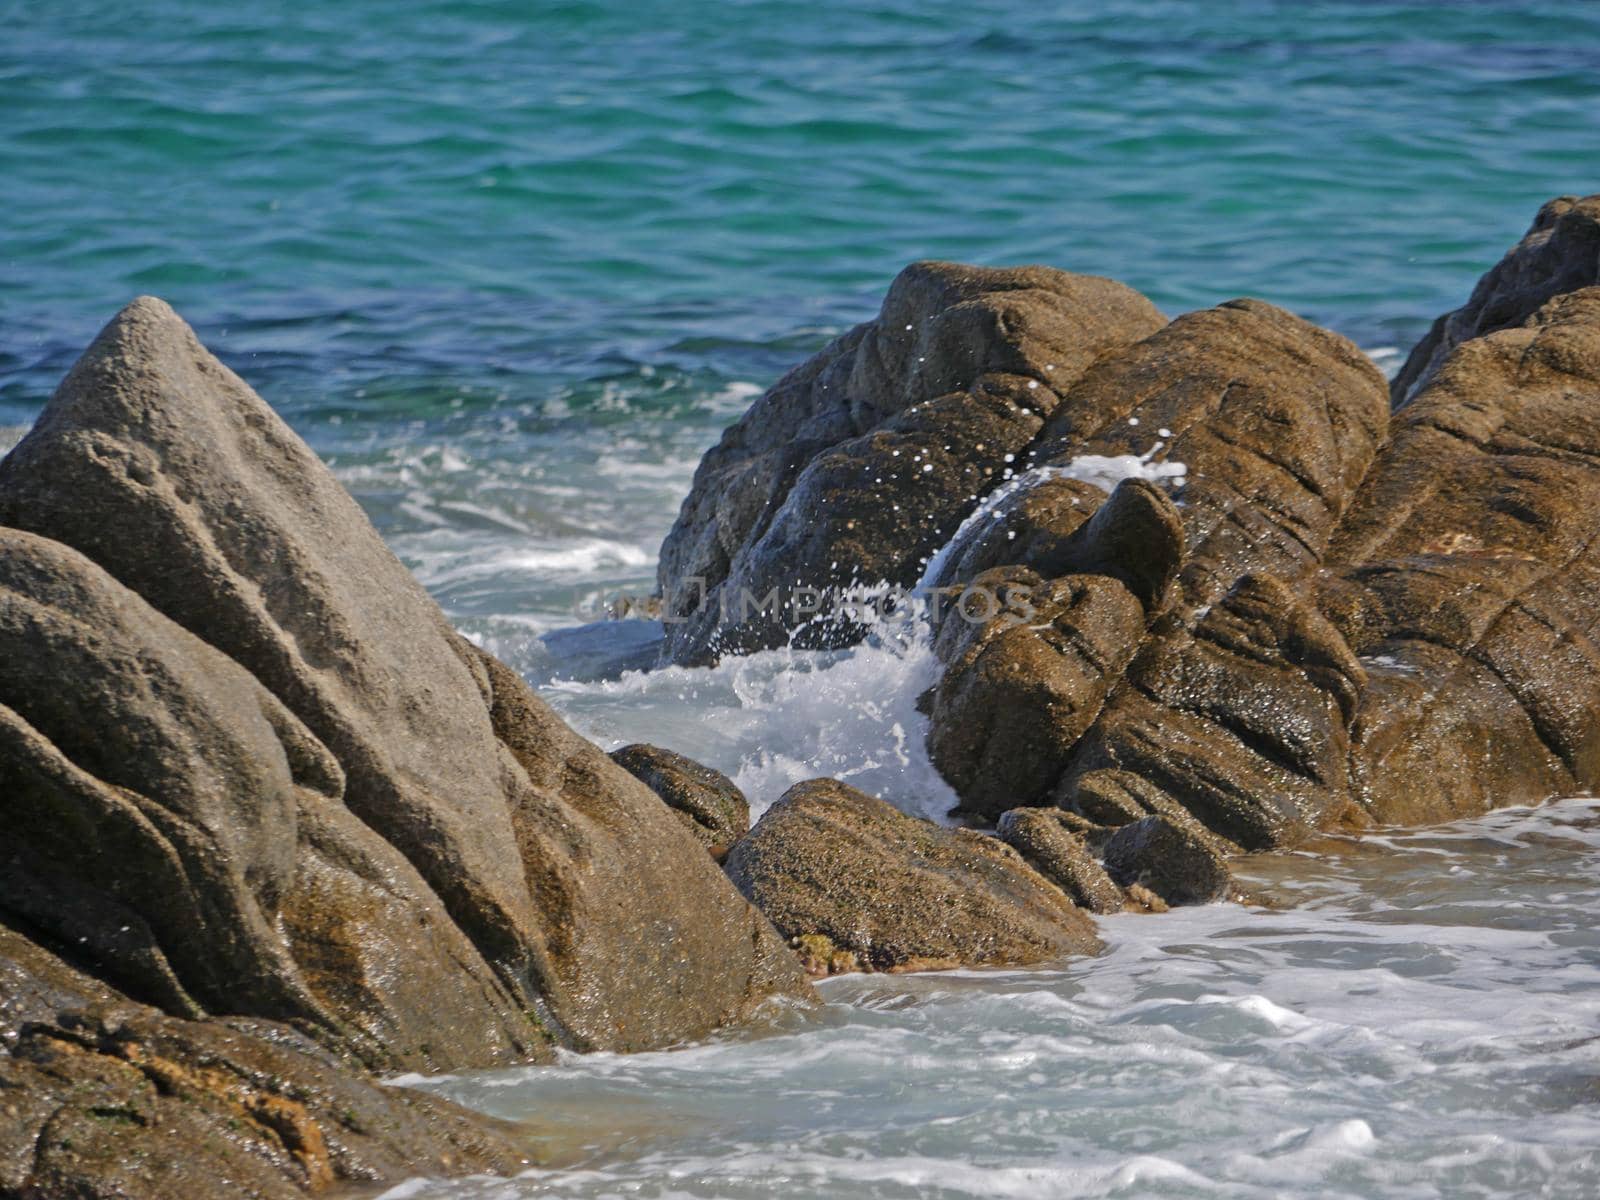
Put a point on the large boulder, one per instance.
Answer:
(899, 893)
(857, 465)
(404, 776)
(101, 1096)
(1560, 253)
(169, 817)
(1276, 422)
(1467, 577)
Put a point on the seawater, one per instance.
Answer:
(511, 268)
(1413, 1015)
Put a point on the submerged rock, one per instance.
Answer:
(897, 892)
(709, 803)
(861, 462)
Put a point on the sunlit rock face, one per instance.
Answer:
(1298, 611)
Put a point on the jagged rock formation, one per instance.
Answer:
(1329, 617)
(249, 770)
(1560, 253)
(861, 462)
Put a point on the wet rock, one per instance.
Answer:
(1275, 419)
(101, 1096)
(1008, 711)
(858, 464)
(1560, 253)
(1106, 799)
(897, 892)
(1244, 722)
(411, 763)
(165, 813)
(1023, 688)
(1467, 578)
(707, 801)
(1054, 849)
(1170, 861)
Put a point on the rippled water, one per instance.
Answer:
(510, 269)
(1424, 1021)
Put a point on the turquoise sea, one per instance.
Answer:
(511, 267)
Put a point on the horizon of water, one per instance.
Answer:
(511, 269)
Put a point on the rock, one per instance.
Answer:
(1275, 420)
(1170, 861)
(645, 933)
(1007, 712)
(1560, 253)
(897, 892)
(707, 801)
(101, 1096)
(1107, 799)
(169, 816)
(1052, 848)
(861, 462)
(404, 758)
(1244, 722)
(1467, 578)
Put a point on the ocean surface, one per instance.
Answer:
(511, 268)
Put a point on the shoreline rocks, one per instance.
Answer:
(859, 463)
(838, 871)
(251, 774)
(1347, 615)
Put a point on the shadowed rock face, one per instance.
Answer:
(1560, 253)
(101, 1096)
(262, 744)
(861, 462)
(897, 892)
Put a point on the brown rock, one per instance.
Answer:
(707, 801)
(101, 1096)
(645, 934)
(861, 462)
(1276, 420)
(1169, 860)
(1057, 852)
(1244, 722)
(898, 892)
(568, 877)
(1560, 253)
(1468, 578)
(1009, 710)
(169, 817)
